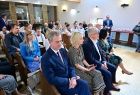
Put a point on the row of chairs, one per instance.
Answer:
(46, 88)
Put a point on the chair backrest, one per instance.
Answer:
(5, 50)
(66, 40)
(42, 50)
(22, 68)
(2, 92)
(46, 88)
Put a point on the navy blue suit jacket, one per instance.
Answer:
(110, 23)
(2, 23)
(91, 54)
(56, 72)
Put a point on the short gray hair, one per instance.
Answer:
(92, 30)
(52, 34)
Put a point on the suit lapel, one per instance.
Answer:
(93, 47)
(99, 47)
(56, 58)
(63, 57)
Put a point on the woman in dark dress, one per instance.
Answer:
(83, 69)
(107, 47)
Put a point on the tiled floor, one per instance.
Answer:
(129, 84)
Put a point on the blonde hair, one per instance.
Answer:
(75, 38)
(26, 40)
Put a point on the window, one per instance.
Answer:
(38, 13)
(22, 13)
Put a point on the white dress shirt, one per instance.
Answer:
(59, 54)
(95, 44)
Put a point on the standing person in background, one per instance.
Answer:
(108, 24)
(137, 32)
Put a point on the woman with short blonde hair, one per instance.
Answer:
(76, 36)
(83, 69)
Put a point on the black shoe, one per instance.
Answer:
(137, 51)
(115, 88)
(107, 93)
(115, 82)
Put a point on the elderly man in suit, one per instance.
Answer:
(58, 71)
(94, 55)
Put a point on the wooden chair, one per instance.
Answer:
(9, 58)
(46, 88)
(42, 50)
(24, 73)
(5, 51)
(66, 40)
(2, 92)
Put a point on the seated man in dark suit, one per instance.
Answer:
(13, 39)
(94, 55)
(58, 71)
